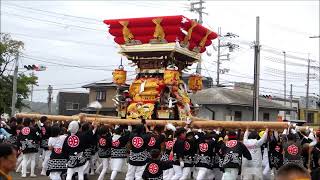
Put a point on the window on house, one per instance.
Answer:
(237, 115)
(266, 116)
(75, 106)
(101, 95)
(68, 105)
(310, 117)
(72, 106)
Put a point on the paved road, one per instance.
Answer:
(16, 176)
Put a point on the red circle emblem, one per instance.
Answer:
(152, 141)
(57, 150)
(231, 143)
(203, 147)
(293, 150)
(153, 168)
(43, 130)
(115, 143)
(73, 141)
(102, 142)
(25, 131)
(186, 146)
(277, 148)
(137, 142)
(169, 144)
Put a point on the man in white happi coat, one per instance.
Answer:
(252, 170)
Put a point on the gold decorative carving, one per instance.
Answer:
(158, 32)
(204, 39)
(188, 36)
(127, 35)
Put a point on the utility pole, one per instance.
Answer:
(229, 45)
(33, 68)
(256, 72)
(49, 98)
(319, 66)
(200, 11)
(307, 96)
(14, 86)
(291, 97)
(31, 94)
(285, 78)
(218, 61)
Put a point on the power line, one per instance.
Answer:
(57, 89)
(207, 70)
(265, 91)
(65, 88)
(288, 55)
(280, 90)
(65, 40)
(278, 49)
(145, 4)
(164, 5)
(301, 86)
(251, 78)
(81, 27)
(290, 78)
(52, 22)
(261, 79)
(83, 82)
(96, 20)
(275, 51)
(67, 65)
(154, 6)
(68, 59)
(289, 29)
(272, 23)
(272, 81)
(68, 84)
(277, 60)
(289, 62)
(15, 6)
(278, 71)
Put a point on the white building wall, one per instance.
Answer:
(293, 114)
(222, 112)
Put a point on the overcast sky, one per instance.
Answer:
(59, 33)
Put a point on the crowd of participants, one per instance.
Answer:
(78, 149)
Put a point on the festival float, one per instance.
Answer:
(160, 48)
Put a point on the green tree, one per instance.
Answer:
(9, 49)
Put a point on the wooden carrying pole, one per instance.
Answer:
(196, 122)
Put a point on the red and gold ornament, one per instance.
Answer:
(119, 76)
(195, 82)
